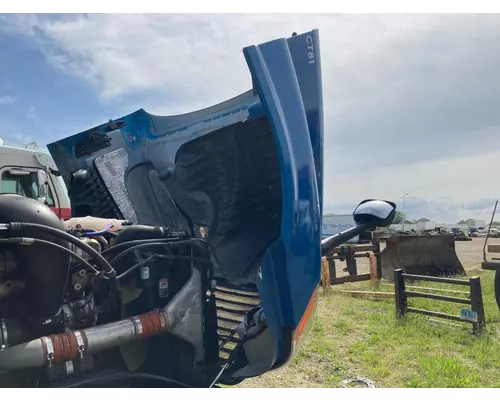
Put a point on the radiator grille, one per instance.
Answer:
(233, 302)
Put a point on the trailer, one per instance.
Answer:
(334, 224)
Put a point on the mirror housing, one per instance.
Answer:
(41, 176)
(374, 213)
(368, 215)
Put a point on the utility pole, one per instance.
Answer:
(404, 216)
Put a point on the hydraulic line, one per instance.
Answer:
(146, 246)
(25, 241)
(20, 226)
(151, 259)
(125, 245)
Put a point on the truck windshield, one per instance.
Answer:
(24, 185)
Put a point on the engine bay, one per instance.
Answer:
(123, 305)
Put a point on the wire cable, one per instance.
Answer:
(96, 233)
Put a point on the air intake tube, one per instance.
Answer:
(181, 317)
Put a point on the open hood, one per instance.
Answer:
(248, 169)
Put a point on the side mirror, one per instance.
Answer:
(42, 186)
(368, 215)
(374, 213)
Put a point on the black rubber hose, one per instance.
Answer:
(125, 376)
(148, 260)
(140, 264)
(27, 241)
(103, 242)
(145, 246)
(105, 265)
(126, 245)
(139, 232)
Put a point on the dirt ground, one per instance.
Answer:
(471, 253)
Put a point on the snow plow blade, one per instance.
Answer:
(420, 255)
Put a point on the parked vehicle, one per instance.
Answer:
(30, 172)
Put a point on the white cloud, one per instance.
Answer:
(446, 190)
(32, 113)
(6, 99)
(410, 100)
(13, 133)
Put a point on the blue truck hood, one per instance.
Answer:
(250, 170)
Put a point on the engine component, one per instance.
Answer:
(81, 313)
(57, 372)
(73, 345)
(96, 223)
(181, 317)
(8, 288)
(4, 335)
(164, 277)
(44, 277)
(23, 227)
(140, 232)
(94, 243)
(7, 263)
(13, 331)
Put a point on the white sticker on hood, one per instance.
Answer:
(112, 168)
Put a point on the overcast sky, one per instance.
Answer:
(411, 101)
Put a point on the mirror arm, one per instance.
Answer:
(329, 243)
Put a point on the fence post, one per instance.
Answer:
(333, 271)
(325, 274)
(399, 287)
(351, 263)
(476, 298)
(373, 268)
(376, 251)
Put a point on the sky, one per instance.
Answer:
(410, 101)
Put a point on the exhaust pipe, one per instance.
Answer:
(179, 317)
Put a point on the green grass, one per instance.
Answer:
(362, 337)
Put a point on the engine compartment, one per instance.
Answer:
(129, 307)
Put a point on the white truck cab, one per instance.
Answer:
(27, 171)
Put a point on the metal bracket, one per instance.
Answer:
(50, 350)
(3, 334)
